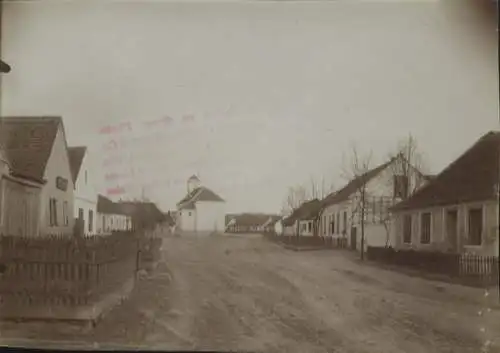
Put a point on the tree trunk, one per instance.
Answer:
(363, 223)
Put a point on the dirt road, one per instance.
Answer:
(244, 293)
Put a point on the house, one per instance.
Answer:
(458, 211)
(85, 203)
(383, 186)
(269, 225)
(201, 211)
(144, 215)
(249, 222)
(302, 220)
(111, 217)
(36, 149)
(19, 201)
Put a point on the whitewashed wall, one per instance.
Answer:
(86, 197)
(210, 216)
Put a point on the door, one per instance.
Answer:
(354, 237)
(452, 229)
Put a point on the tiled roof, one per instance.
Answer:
(199, 194)
(308, 210)
(353, 186)
(471, 177)
(106, 206)
(76, 155)
(27, 142)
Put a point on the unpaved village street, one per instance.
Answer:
(245, 293)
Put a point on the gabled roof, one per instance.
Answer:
(199, 194)
(471, 177)
(352, 187)
(194, 177)
(76, 155)
(27, 142)
(308, 210)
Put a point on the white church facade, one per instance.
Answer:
(201, 211)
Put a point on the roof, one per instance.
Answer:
(471, 177)
(194, 177)
(144, 213)
(307, 210)
(198, 194)
(4, 67)
(76, 155)
(250, 219)
(106, 206)
(27, 142)
(352, 187)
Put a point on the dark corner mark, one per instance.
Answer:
(4, 67)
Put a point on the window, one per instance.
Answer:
(85, 177)
(91, 220)
(425, 228)
(344, 229)
(309, 226)
(475, 226)
(53, 212)
(407, 229)
(65, 213)
(332, 224)
(80, 213)
(338, 223)
(189, 214)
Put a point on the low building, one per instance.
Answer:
(85, 204)
(36, 149)
(458, 210)
(250, 223)
(302, 220)
(111, 217)
(201, 211)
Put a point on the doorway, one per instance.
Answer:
(452, 229)
(354, 238)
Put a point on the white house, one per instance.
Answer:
(111, 217)
(385, 185)
(85, 204)
(302, 220)
(458, 211)
(37, 151)
(201, 211)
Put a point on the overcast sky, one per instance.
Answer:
(277, 91)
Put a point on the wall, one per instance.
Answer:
(210, 216)
(19, 208)
(439, 239)
(106, 223)
(278, 228)
(57, 165)
(187, 220)
(86, 196)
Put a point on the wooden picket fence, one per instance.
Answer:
(471, 269)
(63, 271)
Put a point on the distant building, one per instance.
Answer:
(111, 217)
(250, 222)
(201, 211)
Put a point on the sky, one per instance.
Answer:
(254, 97)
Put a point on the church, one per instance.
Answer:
(201, 211)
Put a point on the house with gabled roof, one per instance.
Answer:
(85, 203)
(384, 185)
(302, 220)
(458, 210)
(201, 211)
(250, 222)
(37, 151)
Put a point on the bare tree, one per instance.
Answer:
(407, 176)
(319, 189)
(296, 196)
(355, 170)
